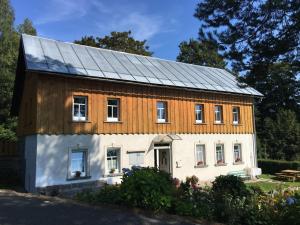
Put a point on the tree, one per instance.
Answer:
(9, 46)
(27, 28)
(262, 42)
(119, 41)
(200, 53)
(255, 35)
(282, 136)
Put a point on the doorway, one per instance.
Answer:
(162, 157)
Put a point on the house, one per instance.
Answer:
(85, 113)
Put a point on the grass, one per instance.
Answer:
(268, 183)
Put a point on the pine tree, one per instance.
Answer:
(261, 40)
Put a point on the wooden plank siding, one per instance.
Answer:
(52, 99)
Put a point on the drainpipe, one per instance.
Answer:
(254, 137)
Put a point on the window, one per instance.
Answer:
(237, 153)
(236, 115)
(113, 109)
(200, 155)
(113, 160)
(220, 154)
(161, 112)
(136, 158)
(199, 113)
(80, 108)
(218, 114)
(78, 163)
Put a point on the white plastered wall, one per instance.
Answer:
(53, 154)
(184, 153)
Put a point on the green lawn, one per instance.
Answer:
(272, 184)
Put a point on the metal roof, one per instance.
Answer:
(67, 58)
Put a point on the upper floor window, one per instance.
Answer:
(200, 155)
(78, 163)
(113, 110)
(218, 114)
(199, 113)
(236, 115)
(80, 108)
(237, 153)
(161, 112)
(220, 155)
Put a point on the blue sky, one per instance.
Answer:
(164, 23)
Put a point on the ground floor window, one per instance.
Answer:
(237, 153)
(113, 160)
(200, 155)
(78, 163)
(136, 158)
(220, 154)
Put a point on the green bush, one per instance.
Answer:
(229, 184)
(107, 194)
(147, 188)
(228, 192)
(274, 166)
(191, 200)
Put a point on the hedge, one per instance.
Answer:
(270, 166)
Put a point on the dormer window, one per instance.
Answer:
(79, 108)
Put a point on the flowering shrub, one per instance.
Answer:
(229, 201)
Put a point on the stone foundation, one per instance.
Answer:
(70, 190)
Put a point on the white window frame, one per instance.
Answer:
(112, 107)
(197, 161)
(140, 156)
(80, 118)
(235, 161)
(71, 174)
(161, 112)
(200, 112)
(218, 111)
(118, 157)
(237, 114)
(223, 154)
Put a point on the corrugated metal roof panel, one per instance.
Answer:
(49, 55)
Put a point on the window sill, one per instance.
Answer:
(163, 122)
(221, 164)
(202, 166)
(200, 123)
(237, 124)
(113, 175)
(113, 121)
(219, 123)
(238, 163)
(79, 178)
(80, 121)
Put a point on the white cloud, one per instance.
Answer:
(142, 26)
(107, 17)
(58, 10)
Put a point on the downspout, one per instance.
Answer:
(254, 138)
